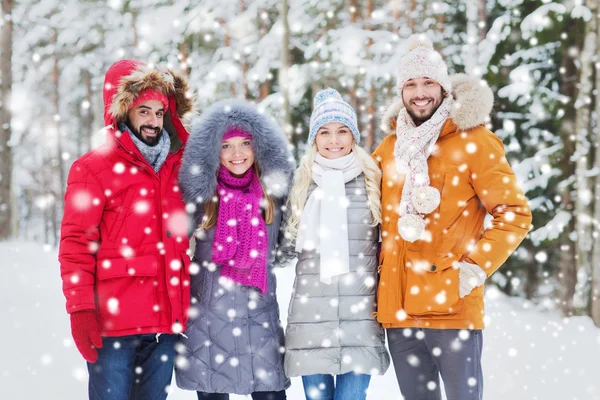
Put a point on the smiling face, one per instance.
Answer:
(421, 97)
(334, 140)
(146, 121)
(237, 155)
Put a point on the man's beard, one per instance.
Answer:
(418, 120)
(151, 141)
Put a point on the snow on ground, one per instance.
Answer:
(529, 354)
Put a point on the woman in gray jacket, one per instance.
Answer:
(235, 173)
(334, 211)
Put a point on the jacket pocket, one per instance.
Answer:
(432, 286)
(122, 213)
(126, 291)
(389, 295)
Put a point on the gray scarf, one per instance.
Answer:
(156, 155)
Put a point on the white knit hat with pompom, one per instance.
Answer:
(422, 61)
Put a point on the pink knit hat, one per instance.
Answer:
(150, 94)
(236, 132)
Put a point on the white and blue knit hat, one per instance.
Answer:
(328, 106)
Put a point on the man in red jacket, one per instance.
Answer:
(123, 245)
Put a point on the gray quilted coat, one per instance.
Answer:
(330, 328)
(234, 337)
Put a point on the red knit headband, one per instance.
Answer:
(150, 94)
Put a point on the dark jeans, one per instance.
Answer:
(133, 367)
(255, 396)
(421, 356)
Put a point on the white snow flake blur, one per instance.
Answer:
(540, 58)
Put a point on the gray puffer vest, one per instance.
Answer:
(235, 338)
(330, 328)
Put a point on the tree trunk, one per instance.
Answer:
(353, 11)
(567, 272)
(245, 89)
(59, 146)
(595, 292)
(6, 163)
(283, 70)
(532, 278)
(183, 58)
(396, 10)
(583, 198)
(88, 109)
(470, 54)
(482, 20)
(371, 125)
(411, 15)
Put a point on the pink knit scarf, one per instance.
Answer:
(241, 242)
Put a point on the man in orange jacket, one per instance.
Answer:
(443, 172)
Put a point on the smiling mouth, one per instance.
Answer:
(149, 132)
(335, 149)
(421, 103)
(237, 162)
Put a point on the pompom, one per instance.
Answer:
(411, 227)
(418, 40)
(326, 95)
(425, 199)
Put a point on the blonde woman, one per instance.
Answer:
(331, 225)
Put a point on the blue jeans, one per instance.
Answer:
(348, 386)
(132, 367)
(255, 396)
(421, 356)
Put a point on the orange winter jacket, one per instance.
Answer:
(418, 285)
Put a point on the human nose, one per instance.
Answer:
(420, 91)
(153, 120)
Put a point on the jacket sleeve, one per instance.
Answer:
(377, 153)
(84, 204)
(286, 246)
(496, 186)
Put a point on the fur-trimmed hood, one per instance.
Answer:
(126, 79)
(473, 102)
(201, 158)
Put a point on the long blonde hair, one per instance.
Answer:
(211, 207)
(303, 179)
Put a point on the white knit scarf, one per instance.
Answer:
(324, 222)
(413, 147)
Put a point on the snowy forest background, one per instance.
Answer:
(540, 58)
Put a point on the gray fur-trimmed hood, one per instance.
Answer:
(473, 102)
(201, 158)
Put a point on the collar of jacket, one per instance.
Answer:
(473, 102)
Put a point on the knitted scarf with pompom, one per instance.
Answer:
(241, 241)
(413, 147)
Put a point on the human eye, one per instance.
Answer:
(225, 146)
(246, 143)
(160, 114)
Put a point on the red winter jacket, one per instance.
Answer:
(124, 231)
